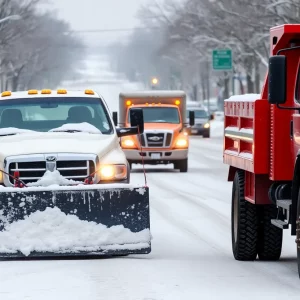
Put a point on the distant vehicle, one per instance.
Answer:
(202, 122)
(165, 139)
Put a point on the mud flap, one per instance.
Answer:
(91, 221)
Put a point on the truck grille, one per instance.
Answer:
(32, 171)
(156, 140)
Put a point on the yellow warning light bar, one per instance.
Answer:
(89, 92)
(61, 91)
(32, 92)
(6, 93)
(46, 92)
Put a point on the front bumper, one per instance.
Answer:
(199, 130)
(156, 156)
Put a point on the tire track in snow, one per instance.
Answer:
(256, 267)
(190, 197)
(163, 208)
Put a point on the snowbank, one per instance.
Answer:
(84, 127)
(54, 231)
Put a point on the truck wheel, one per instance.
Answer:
(298, 233)
(182, 165)
(243, 222)
(206, 135)
(269, 236)
(128, 172)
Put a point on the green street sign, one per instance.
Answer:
(222, 59)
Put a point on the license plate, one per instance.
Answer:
(155, 156)
(194, 130)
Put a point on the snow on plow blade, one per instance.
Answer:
(86, 221)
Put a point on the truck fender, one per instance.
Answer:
(231, 173)
(295, 192)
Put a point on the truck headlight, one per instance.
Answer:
(112, 172)
(206, 125)
(181, 143)
(128, 143)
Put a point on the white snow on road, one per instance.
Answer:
(191, 254)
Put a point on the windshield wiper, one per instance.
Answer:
(68, 130)
(7, 134)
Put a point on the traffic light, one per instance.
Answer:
(154, 81)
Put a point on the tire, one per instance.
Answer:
(298, 233)
(244, 222)
(128, 172)
(269, 236)
(182, 165)
(206, 135)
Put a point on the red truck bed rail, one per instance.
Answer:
(246, 133)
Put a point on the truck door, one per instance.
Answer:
(295, 123)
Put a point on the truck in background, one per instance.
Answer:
(165, 139)
(262, 147)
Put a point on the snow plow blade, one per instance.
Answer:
(74, 222)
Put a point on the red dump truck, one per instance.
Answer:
(262, 148)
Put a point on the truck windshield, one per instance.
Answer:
(44, 114)
(199, 113)
(160, 115)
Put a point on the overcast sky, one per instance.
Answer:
(99, 14)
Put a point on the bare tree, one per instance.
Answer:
(36, 50)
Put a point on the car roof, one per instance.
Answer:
(54, 94)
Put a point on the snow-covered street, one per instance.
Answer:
(191, 250)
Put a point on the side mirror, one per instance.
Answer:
(212, 117)
(115, 118)
(136, 123)
(137, 119)
(277, 80)
(192, 117)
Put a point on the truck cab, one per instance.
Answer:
(72, 128)
(165, 139)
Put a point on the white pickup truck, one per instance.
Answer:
(51, 139)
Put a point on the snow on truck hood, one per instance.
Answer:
(56, 142)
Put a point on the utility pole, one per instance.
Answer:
(208, 85)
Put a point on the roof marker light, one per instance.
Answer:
(61, 91)
(128, 102)
(46, 91)
(89, 92)
(32, 92)
(6, 93)
(177, 102)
